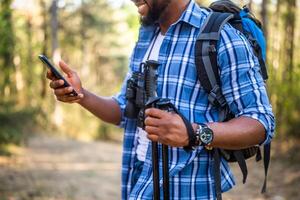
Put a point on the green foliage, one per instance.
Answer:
(6, 44)
(16, 125)
(6, 32)
(96, 39)
(93, 39)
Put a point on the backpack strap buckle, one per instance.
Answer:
(253, 42)
(216, 98)
(212, 48)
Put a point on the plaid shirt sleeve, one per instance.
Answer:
(242, 83)
(120, 98)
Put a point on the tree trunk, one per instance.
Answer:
(277, 38)
(84, 43)
(29, 54)
(57, 115)
(44, 47)
(54, 27)
(290, 23)
(6, 49)
(264, 16)
(250, 4)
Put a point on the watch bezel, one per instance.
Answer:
(206, 135)
(202, 129)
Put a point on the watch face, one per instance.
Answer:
(206, 135)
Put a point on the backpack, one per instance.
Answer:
(225, 11)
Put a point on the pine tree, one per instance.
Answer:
(7, 42)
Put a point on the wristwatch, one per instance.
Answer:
(204, 136)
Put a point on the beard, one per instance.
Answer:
(155, 12)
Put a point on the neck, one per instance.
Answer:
(172, 14)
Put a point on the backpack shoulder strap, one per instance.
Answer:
(267, 157)
(206, 56)
(208, 74)
(209, 77)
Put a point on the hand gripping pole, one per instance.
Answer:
(166, 105)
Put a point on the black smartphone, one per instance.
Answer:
(56, 73)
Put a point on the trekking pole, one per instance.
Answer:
(150, 87)
(155, 169)
(164, 104)
(165, 155)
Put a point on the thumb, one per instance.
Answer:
(65, 68)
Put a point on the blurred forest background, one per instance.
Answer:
(96, 37)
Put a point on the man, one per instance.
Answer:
(168, 34)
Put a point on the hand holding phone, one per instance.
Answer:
(61, 92)
(57, 74)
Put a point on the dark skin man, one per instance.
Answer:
(167, 128)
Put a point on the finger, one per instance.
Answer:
(150, 121)
(154, 112)
(76, 101)
(70, 99)
(63, 91)
(56, 83)
(50, 75)
(65, 68)
(66, 101)
(153, 138)
(73, 94)
(151, 130)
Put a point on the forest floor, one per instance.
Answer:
(50, 168)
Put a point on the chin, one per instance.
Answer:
(149, 20)
(145, 21)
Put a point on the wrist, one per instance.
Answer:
(190, 128)
(192, 142)
(195, 126)
(84, 94)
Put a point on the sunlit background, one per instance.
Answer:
(95, 37)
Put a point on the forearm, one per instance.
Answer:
(238, 133)
(104, 108)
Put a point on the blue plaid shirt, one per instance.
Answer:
(191, 173)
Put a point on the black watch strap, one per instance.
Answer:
(191, 135)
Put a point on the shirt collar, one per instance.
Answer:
(192, 15)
